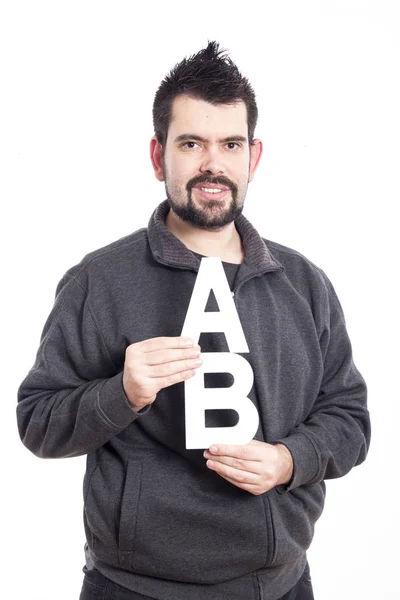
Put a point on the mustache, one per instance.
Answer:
(220, 180)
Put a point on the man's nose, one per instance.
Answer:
(212, 162)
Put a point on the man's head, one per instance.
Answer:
(204, 116)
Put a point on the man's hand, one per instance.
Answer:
(157, 363)
(256, 467)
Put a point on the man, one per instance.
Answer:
(163, 521)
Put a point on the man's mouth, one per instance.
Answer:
(212, 191)
(212, 186)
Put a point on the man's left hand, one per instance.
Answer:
(256, 467)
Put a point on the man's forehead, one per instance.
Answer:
(188, 112)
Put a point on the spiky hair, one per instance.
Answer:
(209, 75)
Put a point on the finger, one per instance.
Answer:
(247, 452)
(167, 369)
(236, 463)
(158, 357)
(163, 382)
(160, 343)
(236, 475)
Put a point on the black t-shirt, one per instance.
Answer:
(231, 270)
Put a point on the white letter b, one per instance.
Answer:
(198, 399)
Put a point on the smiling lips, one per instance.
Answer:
(211, 191)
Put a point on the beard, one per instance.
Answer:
(212, 214)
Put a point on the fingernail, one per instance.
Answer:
(213, 449)
(188, 342)
(210, 464)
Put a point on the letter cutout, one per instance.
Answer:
(211, 276)
(198, 399)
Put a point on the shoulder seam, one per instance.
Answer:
(85, 262)
(293, 252)
(287, 250)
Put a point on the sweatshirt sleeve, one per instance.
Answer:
(336, 435)
(72, 401)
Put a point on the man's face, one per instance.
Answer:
(207, 161)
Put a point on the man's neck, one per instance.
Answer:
(225, 242)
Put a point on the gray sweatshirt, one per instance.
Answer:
(157, 520)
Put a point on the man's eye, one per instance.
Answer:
(189, 145)
(233, 145)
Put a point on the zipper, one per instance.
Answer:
(235, 289)
(242, 281)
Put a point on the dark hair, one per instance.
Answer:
(209, 75)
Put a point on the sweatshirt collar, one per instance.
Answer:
(168, 249)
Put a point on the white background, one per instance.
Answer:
(78, 81)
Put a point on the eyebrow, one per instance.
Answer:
(188, 137)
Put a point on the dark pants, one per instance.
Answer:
(98, 587)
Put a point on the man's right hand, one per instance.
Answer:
(155, 364)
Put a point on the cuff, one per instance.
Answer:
(305, 461)
(114, 406)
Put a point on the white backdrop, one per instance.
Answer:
(78, 80)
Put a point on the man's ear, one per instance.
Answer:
(156, 158)
(255, 156)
